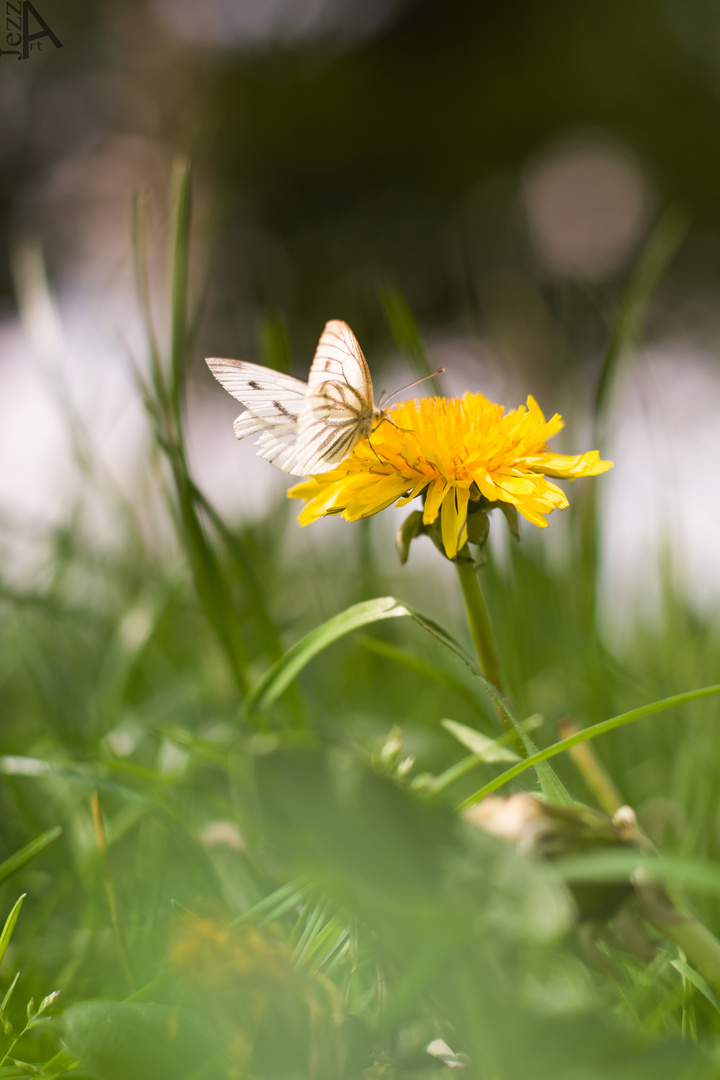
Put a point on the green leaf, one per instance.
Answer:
(697, 981)
(700, 875)
(119, 1040)
(323, 943)
(328, 816)
(8, 928)
(289, 666)
(8, 995)
(29, 852)
(179, 259)
(467, 764)
(485, 749)
(275, 905)
(590, 733)
(420, 666)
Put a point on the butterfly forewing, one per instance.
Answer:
(339, 357)
(273, 404)
(338, 409)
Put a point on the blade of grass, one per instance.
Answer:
(700, 875)
(407, 335)
(420, 666)
(8, 994)
(29, 852)
(276, 904)
(7, 931)
(142, 287)
(179, 261)
(467, 764)
(282, 673)
(590, 733)
(652, 266)
(247, 573)
(273, 343)
(335, 929)
(165, 409)
(315, 920)
(590, 768)
(627, 329)
(488, 749)
(291, 664)
(101, 841)
(700, 946)
(550, 783)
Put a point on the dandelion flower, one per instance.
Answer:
(457, 453)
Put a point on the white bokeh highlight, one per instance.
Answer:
(587, 203)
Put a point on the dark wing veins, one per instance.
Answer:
(284, 412)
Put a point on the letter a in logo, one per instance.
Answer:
(44, 31)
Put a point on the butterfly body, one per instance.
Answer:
(305, 428)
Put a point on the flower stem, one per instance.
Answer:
(673, 921)
(481, 633)
(479, 621)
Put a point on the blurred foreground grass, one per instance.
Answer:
(266, 884)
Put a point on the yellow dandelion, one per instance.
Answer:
(457, 452)
(211, 954)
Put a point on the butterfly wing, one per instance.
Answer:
(339, 357)
(338, 409)
(273, 403)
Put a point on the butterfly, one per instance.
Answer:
(306, 428)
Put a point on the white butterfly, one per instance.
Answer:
(308, 427)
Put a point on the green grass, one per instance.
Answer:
(344, 917)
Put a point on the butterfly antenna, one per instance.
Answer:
(384, 400)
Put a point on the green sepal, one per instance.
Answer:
(478, 525)
(478, 528)
(511, 516)
(408, 531)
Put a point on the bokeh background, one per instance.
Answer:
(498, 166)
(496, 173)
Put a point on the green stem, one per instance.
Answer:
(13, 1044)
(700, 946)
(481, 633)
(479, 621)
(674, 922)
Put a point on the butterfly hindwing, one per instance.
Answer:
(279, 446)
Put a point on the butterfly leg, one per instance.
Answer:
(390, 420)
